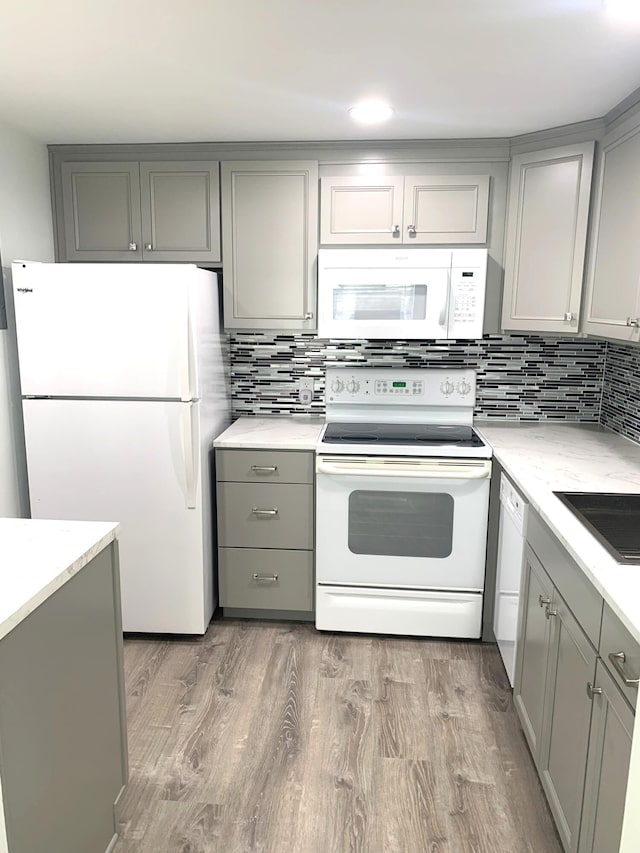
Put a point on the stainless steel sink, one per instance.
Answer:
(614, 519)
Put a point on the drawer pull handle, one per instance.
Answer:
(270, 512)
(618, 660)
(267, 578)
(264, 469)
(542, 600)
(593, 691)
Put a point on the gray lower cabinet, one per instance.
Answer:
(570, 669)
(140, 211)
(575, 692)
(63, 737)
(265, 532)
(270, 242)
(609, 753)
(531, 666)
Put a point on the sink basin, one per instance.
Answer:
(614, 519)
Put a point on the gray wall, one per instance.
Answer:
(26, 234)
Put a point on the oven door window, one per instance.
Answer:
(401, 524)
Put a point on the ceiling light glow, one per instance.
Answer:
(628, 10)
(371, 111)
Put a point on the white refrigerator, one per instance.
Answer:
(123, 390)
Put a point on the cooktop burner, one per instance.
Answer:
(402, 434)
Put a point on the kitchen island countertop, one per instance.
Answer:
(542, 458)
(37, 557)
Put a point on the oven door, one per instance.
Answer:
(383, 303)
(398, 522)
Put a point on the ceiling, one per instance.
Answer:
(273, 70)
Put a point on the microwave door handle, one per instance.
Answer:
(443, 319)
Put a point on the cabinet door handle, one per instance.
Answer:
(569, 316)
(549, 613)
(593, 691)
(148, 247)
(396, 231)
(618, 659)
(267, 578)
(270, 512)
(633, 321)
(412, 230)
(542, 600)
(133, 247)
(264, 469)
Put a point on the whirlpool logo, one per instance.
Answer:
(25, 290)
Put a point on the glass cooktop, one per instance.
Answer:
(426, 435)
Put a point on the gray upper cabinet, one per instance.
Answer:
(270, 242)
(613, 301)
(414, 210)
(180, 211)
(149, 211)
(101, 211)
(546, 237)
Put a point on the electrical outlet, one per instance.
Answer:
(306, 387)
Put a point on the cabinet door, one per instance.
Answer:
(567, 717)
(608, 767)
(361, 210)
(180, 211)
(446, 209)
(614, 275)
(102, 211)
(546, 238)
(533, 651)
(270, 242)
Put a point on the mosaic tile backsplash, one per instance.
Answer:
(621, 390)
(520, 377)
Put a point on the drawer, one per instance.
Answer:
(615, 639)
(583, 599)
(258, 466)
(284, 579)
(265, 515)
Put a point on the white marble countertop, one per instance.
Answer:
(542, 458)
(295, 432)
(37, 557)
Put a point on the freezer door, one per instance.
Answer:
(139, 463)
(104, 330)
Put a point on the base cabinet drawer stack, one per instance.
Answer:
(575, 692)
(265, 532)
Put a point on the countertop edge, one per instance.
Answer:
(59, 580)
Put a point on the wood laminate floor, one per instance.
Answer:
(271, 736)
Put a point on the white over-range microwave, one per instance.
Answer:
(396, 293)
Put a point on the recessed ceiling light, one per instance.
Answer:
(629, 10)
(371, 111)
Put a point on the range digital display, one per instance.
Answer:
(399, 384)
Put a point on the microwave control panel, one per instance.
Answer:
(406, 386)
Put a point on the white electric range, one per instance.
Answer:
(402, 495)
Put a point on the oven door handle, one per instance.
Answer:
(444, 472)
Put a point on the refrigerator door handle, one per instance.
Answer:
(192, 361)
(191, 445)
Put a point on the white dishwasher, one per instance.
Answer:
(511, 539)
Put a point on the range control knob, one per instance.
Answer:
(463, 388)
(352, 386)
(447, 387)
(337, 385)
